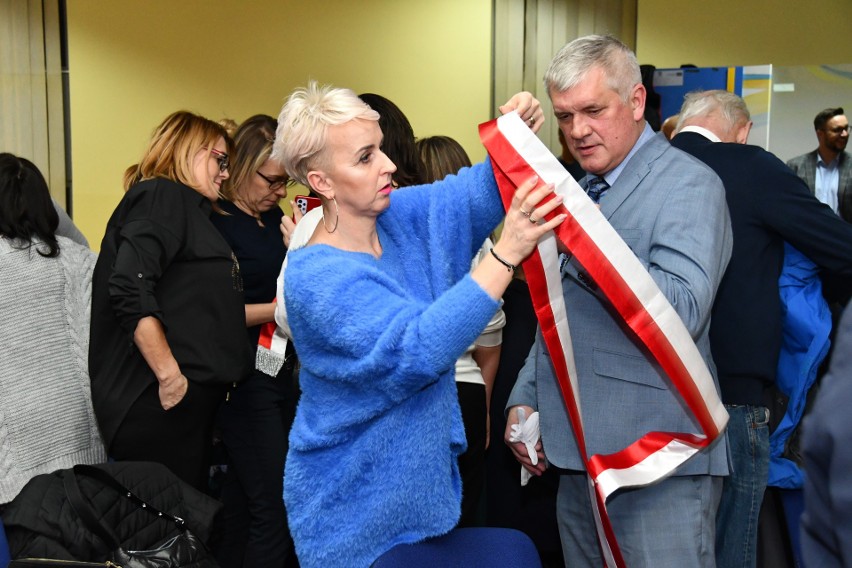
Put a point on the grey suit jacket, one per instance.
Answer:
(671, 210)
(805, 166)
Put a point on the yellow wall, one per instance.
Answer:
(743, 32)
(132, 63)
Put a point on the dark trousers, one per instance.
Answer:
(255, 424)
(472, 462)
(179, 438)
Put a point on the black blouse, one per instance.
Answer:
(161, 256)
(259, 250)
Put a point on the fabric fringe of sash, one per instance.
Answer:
(516, 155)
(271, 350)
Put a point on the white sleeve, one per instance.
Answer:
(492, 336)
(301, 235)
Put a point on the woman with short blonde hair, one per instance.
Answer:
(372, 301)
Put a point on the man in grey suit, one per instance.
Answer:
(670, 209)
(828, 169)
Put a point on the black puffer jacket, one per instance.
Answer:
(40, 522)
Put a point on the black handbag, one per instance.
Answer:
(184, 550)
(85, 517)
(41, 562)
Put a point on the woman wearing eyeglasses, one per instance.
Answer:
(256, 417)
(168, 316)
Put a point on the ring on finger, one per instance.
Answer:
(531, 120)
(533, 221)
(525, 213)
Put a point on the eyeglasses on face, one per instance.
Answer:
(838, 129)
(222, 158)
(274, 183)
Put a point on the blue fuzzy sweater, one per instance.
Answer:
(372, 460)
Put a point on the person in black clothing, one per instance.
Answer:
(568, 161)
(399, 142)
(827, 519)
(255, 420)
(530, 508)
(769, 205)
(653, 101)
(168, 323)
(441, 156)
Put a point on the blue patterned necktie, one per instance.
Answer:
(597, 187)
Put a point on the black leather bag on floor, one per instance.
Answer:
(184, 550)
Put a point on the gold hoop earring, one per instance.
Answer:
(336, 220)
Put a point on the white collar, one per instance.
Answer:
(702, 131)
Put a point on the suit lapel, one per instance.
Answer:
(811, 171)
(634, 172)
(844, 187)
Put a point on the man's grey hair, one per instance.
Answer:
(699, 104)
(578, 57)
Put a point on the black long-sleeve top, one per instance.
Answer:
(161, 256)
(259, 250)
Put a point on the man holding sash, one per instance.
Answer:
(670, 210)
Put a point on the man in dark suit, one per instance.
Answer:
(670, 209)
(827, 519)
(828, 169)
(768, 205)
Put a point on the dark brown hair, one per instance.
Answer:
(826, 115)
(441, 156)
(26, 209)
(398, 142)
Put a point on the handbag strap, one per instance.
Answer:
(86, 512)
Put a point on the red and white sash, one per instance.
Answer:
(516, 155)
(271, 349)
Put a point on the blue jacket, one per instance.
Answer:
(807, 324)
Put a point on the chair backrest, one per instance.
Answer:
(4, 547)
(468, 547)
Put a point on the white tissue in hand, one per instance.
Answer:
(526, 431)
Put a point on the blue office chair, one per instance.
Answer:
(5, 558)
(466, 548)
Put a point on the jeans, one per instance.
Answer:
(742, 493)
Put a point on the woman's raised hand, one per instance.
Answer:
(288, 225)
(527, 107)
(525, 221)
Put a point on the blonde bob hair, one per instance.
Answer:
(302, 131)
(171, 152)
